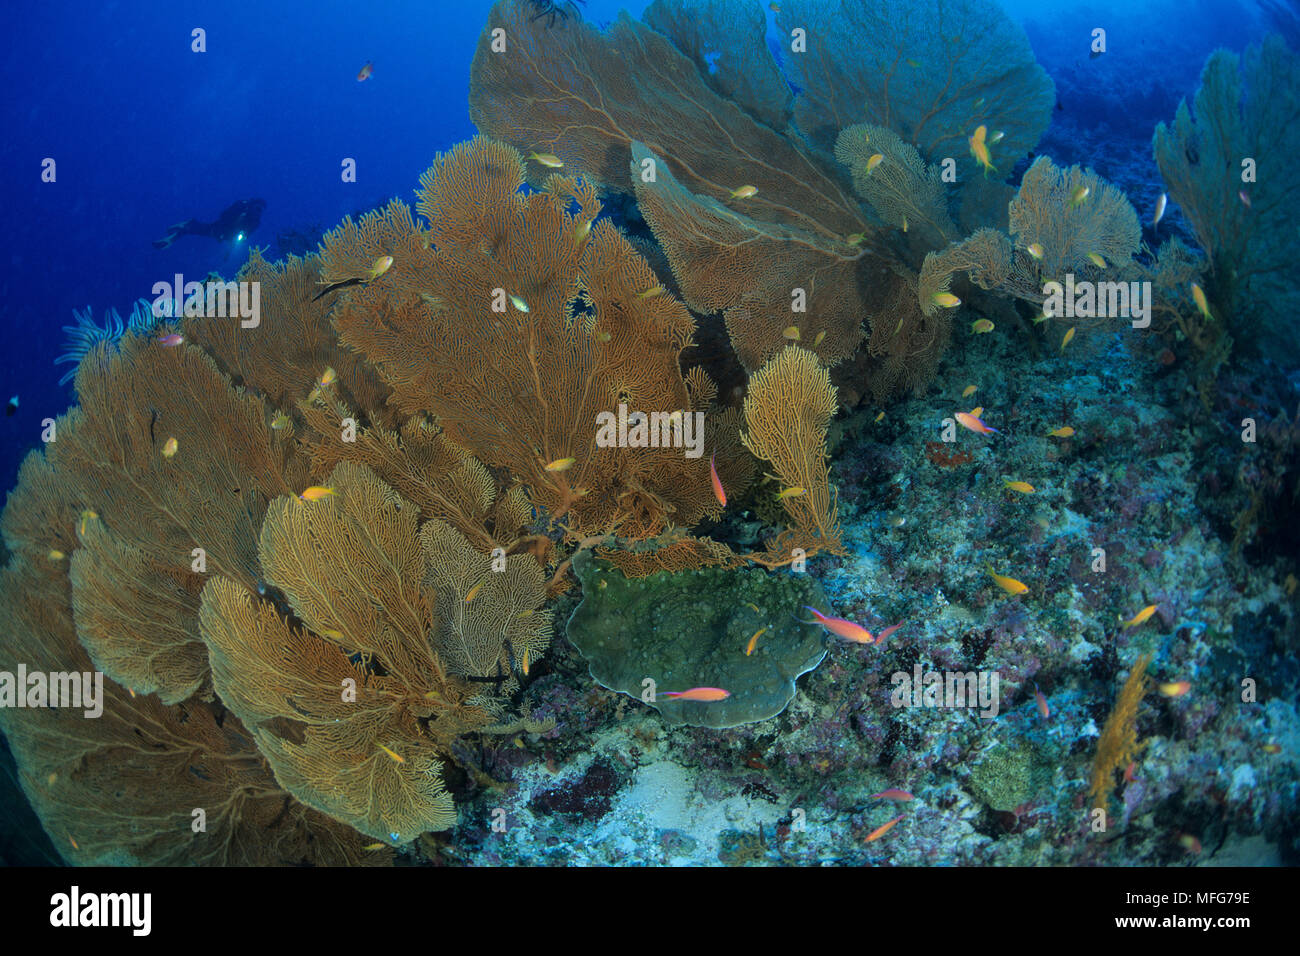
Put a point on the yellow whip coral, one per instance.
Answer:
(1118, 744)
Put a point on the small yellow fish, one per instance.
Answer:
(329, 377)
(603, 336)
(547, 159)
(904, 224)
(856, 238)
(791, 333)
(794, 492)
(818, 340)
(561, 464)
(1010, 585)
(947, 300)
(381, 265)
(332, 633)
(528, 613)
(875, 161)
(1035, 250)
(473, 592)
(980, 150)
(56, 555)
(744, 192)
(969, 390)
(1069, 337)
(519, 303)
(1065, 431)
(86, 515)
(170, 447)
(581, 232)
(880, 418)
(650, 292)
(397, 758)
(1202, 304)
(1174, 689)
(374, 846)
(981, 326)
(1079, 196)
(996, 137)
(977, 411)
(1141, 616)
(1271, 748)
(1041, 317)
(753, 641)
(316, 492)
(1024, 487)
(523, 662)
(1097, 260)
(281, 421)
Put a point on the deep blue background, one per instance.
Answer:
(146, 133)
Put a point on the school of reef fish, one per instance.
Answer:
(371, 584)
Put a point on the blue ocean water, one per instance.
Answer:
(144, 132)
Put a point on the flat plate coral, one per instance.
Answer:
(690, 630)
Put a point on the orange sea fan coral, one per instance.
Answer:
(517, 327)
(287, 352)
(136, 617)
(352, 568)
(931, 70)
(108, 459)
(145, 763)
(788, 408)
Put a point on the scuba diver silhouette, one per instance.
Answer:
(235, 223)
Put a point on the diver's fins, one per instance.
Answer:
(173, 233)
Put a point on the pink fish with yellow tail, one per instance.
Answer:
(849, 630)
(893, 793)
(974, 423)
(707, 694)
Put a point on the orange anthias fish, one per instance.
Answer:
(973, 422)
(849, 630)
(881, 830)
(365, 71)
(1065, 431)
(893, 793)
(1175, 689)
(753, 641)
(718, 491)
(707, 694)
(171, 341)
(397, 758)
(560, 464)
(1041, 701)
(316, 492)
